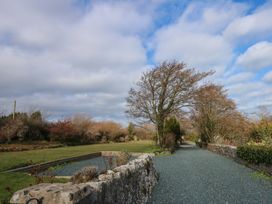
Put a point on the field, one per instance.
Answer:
(11, 182)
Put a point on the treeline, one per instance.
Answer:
(76, 130)
(215, 119)
(202, 108)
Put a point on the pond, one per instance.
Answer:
(68, 169)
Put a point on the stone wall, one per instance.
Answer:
(226, 150)
(130, 183)
(116, 153)
(230, 151)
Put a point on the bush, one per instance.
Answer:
(82, 125)
(37, 127)
(3, 138)
(14, 130)
(131, 131)
(262, 132)
(108, 131)
(192, 136)
(79, 129)
(23, 127)
(172, 126)
(145, 132)
(64, 132)
(170, 141)
(256, 154)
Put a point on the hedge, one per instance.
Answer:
(255, 154)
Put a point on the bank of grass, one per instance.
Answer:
(11, 182)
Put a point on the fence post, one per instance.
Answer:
(14, 109)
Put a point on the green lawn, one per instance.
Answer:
(11, 182)
(13, 159)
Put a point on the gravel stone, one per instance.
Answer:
(195, 175)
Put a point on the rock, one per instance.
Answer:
(122, 158)
(84, 175)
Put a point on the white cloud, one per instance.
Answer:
(257, 56)
(195, 38)
(34, 23)
(250, 95)
(239, 77)
(268, 77)
(252, 26)
(52, 53)
(200, 50)
(241, 89)
(210, 18)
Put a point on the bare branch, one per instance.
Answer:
(164, 91)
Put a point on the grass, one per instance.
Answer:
(15, 159)
(164, 154)
(11, 182)
(261, 175)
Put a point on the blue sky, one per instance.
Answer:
(80, 56)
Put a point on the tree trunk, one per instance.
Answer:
(160, 131)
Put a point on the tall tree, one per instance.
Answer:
(212, 107)
(163, 91)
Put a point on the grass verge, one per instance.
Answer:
(261, 175)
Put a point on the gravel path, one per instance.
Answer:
(195, 175)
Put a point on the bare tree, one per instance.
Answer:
(264, 113)
(214, 113)
(163, 91)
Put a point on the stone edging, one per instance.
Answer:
(46, 165)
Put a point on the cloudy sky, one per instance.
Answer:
(81, 56)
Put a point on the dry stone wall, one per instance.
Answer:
(127, 184)
(226, 150)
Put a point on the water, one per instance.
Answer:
(69, 169)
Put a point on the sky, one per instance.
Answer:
(81, 56)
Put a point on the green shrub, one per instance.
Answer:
(256, 154)
(192, 136)
(131, 131)
(170, 141)
(172, 126)
(262, 132)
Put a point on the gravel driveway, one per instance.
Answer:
(194, 175)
